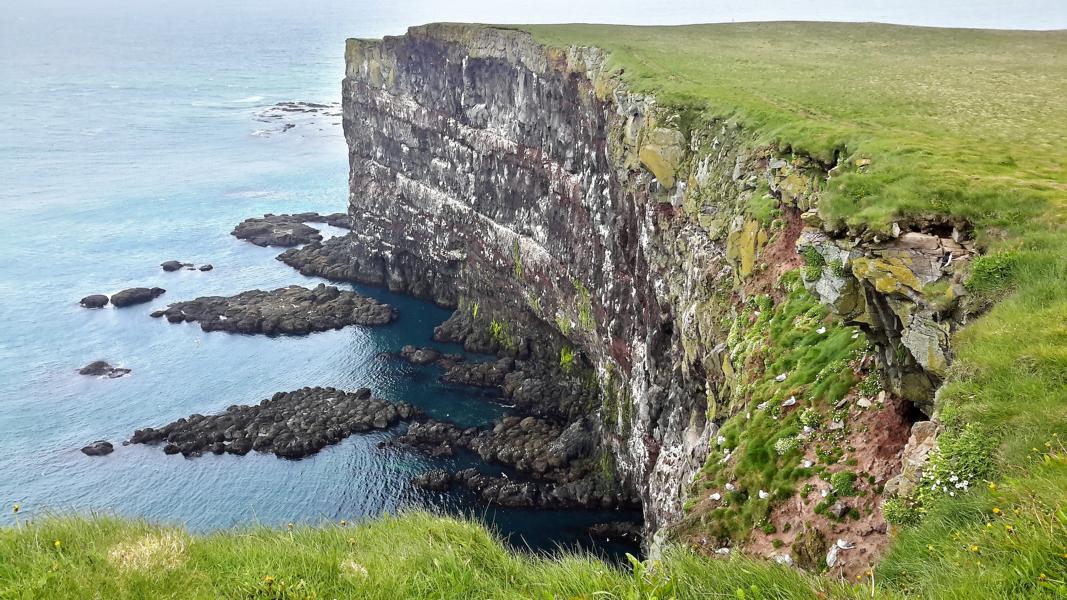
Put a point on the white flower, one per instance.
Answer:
(721, 440)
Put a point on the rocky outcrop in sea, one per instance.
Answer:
(289, 424)
(292, 310)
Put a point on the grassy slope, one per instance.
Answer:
(965, 123)
(414, 556)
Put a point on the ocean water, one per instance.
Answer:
(130, 139)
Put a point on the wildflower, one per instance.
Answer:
(344, 523)
(289, 526)
(974, 548)
(1042, 578)
(996, 510)
(930, 547)
(268, 580)
(57, 544)
(992, 487)
(16, 508)
(1011, 529)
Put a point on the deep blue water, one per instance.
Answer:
(129, 139)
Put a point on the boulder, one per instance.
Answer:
(98, 448)
(94, 301)
(138, 295)
(101, 368)
(172, 265)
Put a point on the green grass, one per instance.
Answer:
(413, 556)
(769, 339)
(964, 122)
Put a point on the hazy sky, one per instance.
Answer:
(374, 18)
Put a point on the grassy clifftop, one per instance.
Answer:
(967, 122)
(414, 556)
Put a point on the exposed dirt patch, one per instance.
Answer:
(777, 257)
(874, 441)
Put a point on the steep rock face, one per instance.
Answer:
(527, 186)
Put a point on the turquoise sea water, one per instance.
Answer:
(130, 139)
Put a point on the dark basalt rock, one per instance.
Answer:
(347, 259)
(137, 295)
(94, 301)
(437, 480)
(289, 424)
(174, 265)
(293, 310)
(206, 267)
(101, 368)
(421, 356)
(284, 230)
(98, 448)
(624, 531)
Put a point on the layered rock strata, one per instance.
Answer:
(574, 222)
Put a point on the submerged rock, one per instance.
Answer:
(98, 448)
(94, 301)
(102, 368)
(206, 267)
(292, 310)
(137, 295)
(289, 424)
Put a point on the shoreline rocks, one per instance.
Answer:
(102, 368)
(289, 424)
(173, 265)
(276, 230)
(287, 230)
(138, 295)
(292, 310)
(422, 356)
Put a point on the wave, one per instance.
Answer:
(247, 100)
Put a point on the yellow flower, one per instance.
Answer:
(57, 544)
(974, 548)
(996, 510)
(1042, 577)
(17, 508)
(992, 487)
(929, 546)
(268, 580)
